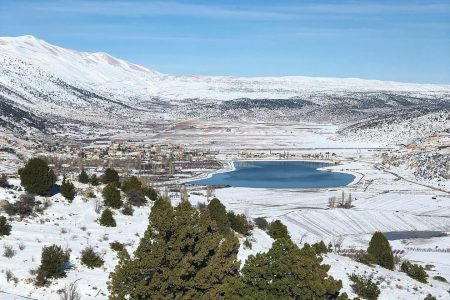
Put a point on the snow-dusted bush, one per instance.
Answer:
(365, 287)
(91, 259)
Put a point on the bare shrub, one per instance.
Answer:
(8, 251)
(69, 292)
(21, 246)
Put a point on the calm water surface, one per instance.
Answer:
(278, 174)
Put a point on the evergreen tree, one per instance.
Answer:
(239, 223)
(36, 177)
(380, 251)
(278, 230)
(132, 184)
(111, 196)
(414, 271)
(111, 176)
(83, 177)
(94, 180)
(218, 213)
(53, 264)
(151, 193)
(288, 272)
(5, 228)
(107, 219)
(182, 255)
(67, 190)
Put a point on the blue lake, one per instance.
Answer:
(278, 175)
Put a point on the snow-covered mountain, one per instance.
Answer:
(42, 85)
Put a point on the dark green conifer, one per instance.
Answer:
(67, 189)
(380, 251)
(36, 177)
(107, 219)
(111, 196)
(5, 228)
(218, 213)
(83, 177)
(277, 230)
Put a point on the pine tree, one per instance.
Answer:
(67, 190)
(83, 177)
(278, 230)
(182, 255)
(53, 264)
(218, 213)
(288, 272)
(5, 228)
(94, 180)
(36, 177)
(111, 176)
(132, 184)
(111, 196)
(380, 251)
(107, 219)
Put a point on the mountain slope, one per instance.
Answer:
(42, 85)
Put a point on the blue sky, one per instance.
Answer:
(389, 40)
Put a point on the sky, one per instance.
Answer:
(398, 40)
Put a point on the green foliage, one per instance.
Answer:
(67, 190)
(111, 196)
(136, 198)
(94, 180)
(239, 223)
(288, 272)
(117, 246)
(36, 177)
(111, 176)
(261, 223)
(132, 183)
(380, 251)
(54, 261)
(218, 213)
(365, 287)
(320, 248)
(414, 271)
(278, 230)
(107, 219)
(182, 255)
(430, 297)
(439, 278)
(127, 209)
(91, 259)
(151, 193)
(247, 244)
(4, 181)
(83, 177)
(5, 228)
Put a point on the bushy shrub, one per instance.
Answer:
(91, 259)
(67, 190)
(22, 207)
(94, 180)
(111, 196)
(430, 297)
(132, 183)
(136, 198)
(83, 177)
(127, 209)
(320, 248)
(107, 219)
(277, 230)
(117, 246)
(380, 251)
(111, 176)
(5, 228)
(36, 177)
(365, 287)
(261, 223)
(54, 261)
(439, 278)
(414, 271)
(239, 223)
(151, 193)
